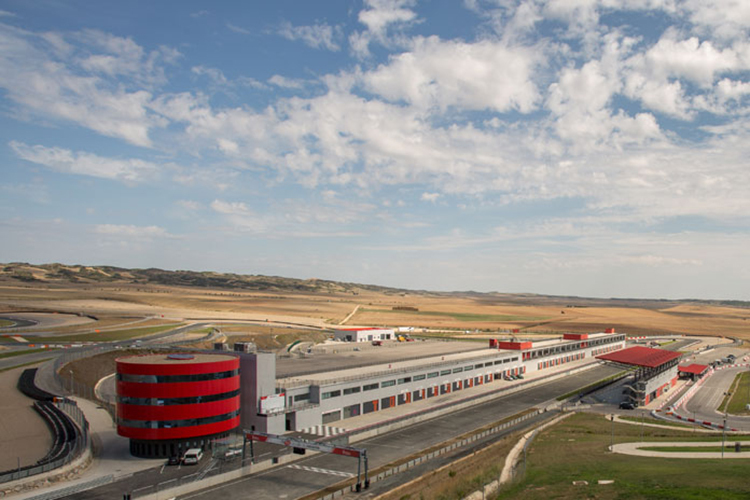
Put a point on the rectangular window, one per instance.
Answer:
(352, 390)
(330, 394)
(457, 370)
(419, 377)
(433, 374)
(467, 368)
(388, 383)
(302, 397)
(404, 380)
(370, 387)
(499, 361)
(331, 416)
(445, 372)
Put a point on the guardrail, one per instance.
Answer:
(65, 419)
(71, 490)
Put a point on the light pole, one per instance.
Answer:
(724, 429)
(642, 417)
(695, 424)
(612, 444)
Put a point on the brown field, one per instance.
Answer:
(118, 303)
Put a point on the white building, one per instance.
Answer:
(364, 334)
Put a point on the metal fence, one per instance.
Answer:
(74, 448)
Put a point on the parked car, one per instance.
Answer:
(192, 456)
(627, 405)
(174, 460)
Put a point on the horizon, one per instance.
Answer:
(596, 149)
(467, 291)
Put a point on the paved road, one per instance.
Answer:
(313, 473)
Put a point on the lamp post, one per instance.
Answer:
(642, 417)
(724, 428)
(612, 444)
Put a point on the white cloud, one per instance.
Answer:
(238, 29)
(286, 83)
(439, 74)
(82, 163)
(380, 16)
(382, 13)
(36, 81)
(724, 19)
(430, 197)
(659, 261)
(144, 232)
(190, 205)
(317, 36)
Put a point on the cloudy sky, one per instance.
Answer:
(577, 147)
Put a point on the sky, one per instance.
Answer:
(596, 148)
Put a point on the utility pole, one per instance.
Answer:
(642, 425)
(724, 429)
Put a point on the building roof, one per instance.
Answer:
(641, 356)
(174, 359)
(694, 369)
(360, 329)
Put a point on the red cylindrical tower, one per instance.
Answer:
(168, 403)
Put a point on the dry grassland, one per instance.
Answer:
(460, 312)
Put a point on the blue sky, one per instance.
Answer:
(589, 147)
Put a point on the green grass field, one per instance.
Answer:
(728, 448)
(39, 361)
(735, 404)
(469, 317)
(21, 353)
(108, 336)
(649, 420)
(5, 323)
(577, 450)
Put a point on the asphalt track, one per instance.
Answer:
(313, 473)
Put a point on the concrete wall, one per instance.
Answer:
(257, 379)
(661, 380)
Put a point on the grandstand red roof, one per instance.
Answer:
(695, 369)
(641, 356)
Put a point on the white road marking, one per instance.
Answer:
(321, 471)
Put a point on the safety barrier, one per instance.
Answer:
(72, 490)
(69, 440)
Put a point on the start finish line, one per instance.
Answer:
(300, 445)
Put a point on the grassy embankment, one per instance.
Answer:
(577, 450)
(38, 361)
(270, 337)
(465, 318)
(21, 353)
(729, 448)
(113, 335)
(5, 323)
(739, 397)
(649, 420)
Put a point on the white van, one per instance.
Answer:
(192, 456)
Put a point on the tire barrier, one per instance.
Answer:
(67, 424)
(64, 432)
(28, 387)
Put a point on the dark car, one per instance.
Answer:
(627, 405)
(173, 460)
